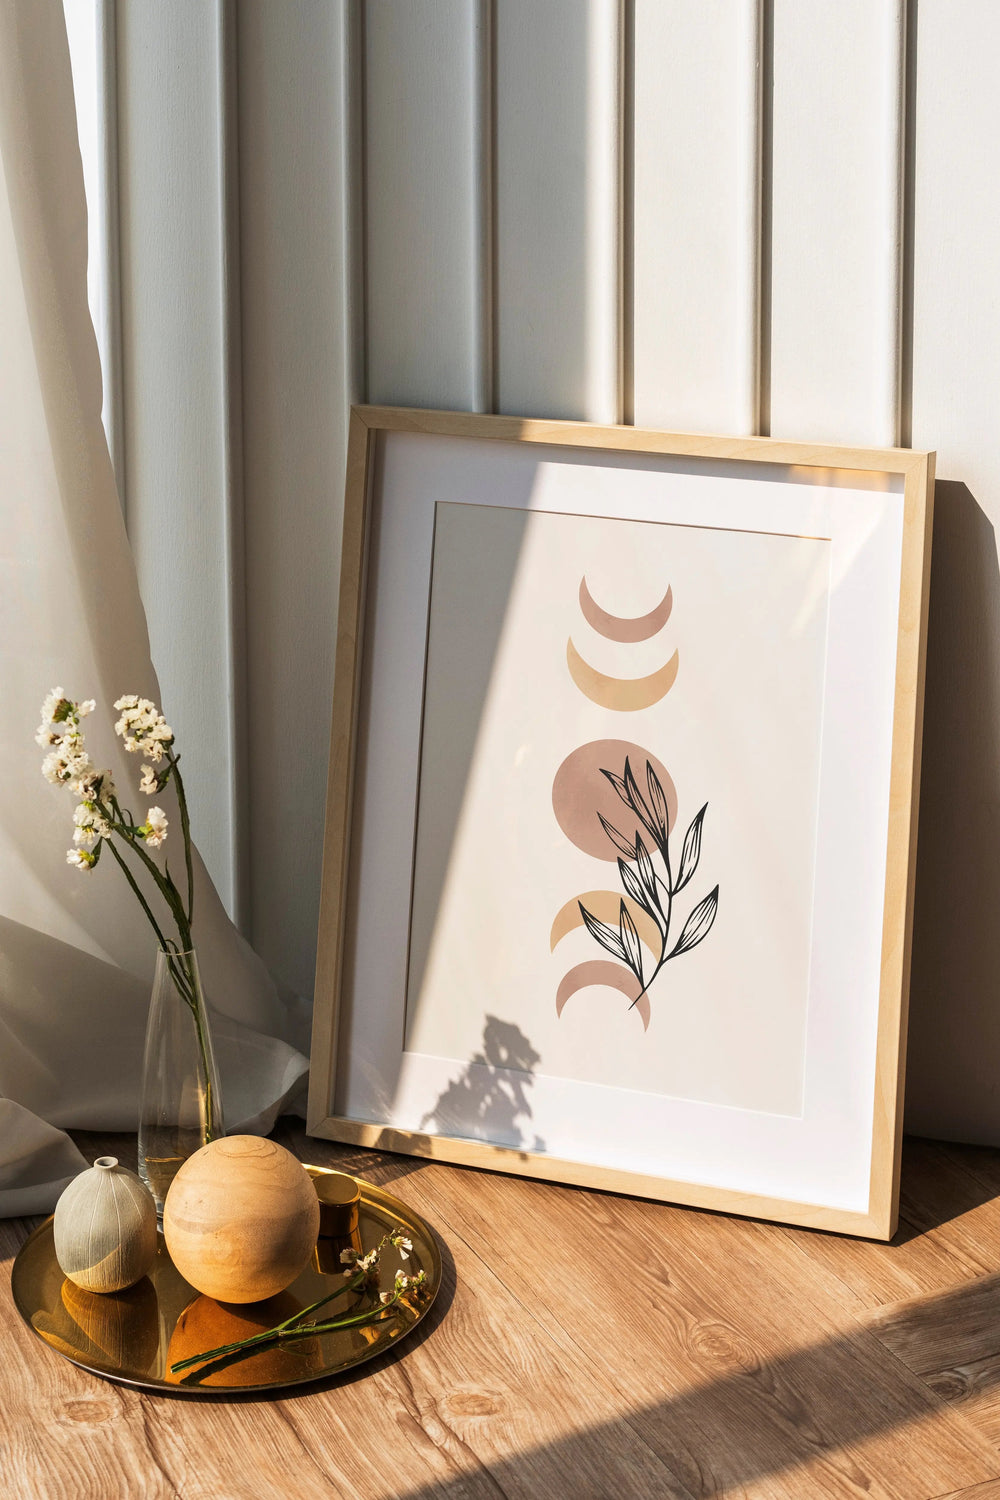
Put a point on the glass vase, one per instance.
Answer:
(180, 1104)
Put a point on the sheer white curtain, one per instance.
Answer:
(76, 953)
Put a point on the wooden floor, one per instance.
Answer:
(587, 1346)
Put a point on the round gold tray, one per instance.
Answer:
(134, 1336)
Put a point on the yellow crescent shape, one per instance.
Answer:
(624, 694)
(603, 971)
(605, 906)
(621, 627)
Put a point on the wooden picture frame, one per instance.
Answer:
(823, 480)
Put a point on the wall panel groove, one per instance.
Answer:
(696, 253)
(557, 196)
(423, 175)
(835, 220)
(232, 461)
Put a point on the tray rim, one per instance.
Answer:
(370, 1193)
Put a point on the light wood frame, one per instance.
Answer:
(917, 471)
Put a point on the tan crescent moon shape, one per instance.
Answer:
(620, 627)
(605, 906)
(625, 694)
(602, 971)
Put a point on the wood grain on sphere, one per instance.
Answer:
(241, 1219)
(105, 1228)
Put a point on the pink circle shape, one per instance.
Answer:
(580, 792)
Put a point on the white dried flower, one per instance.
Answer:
(402, 1244)
(81, 859)
(94, 786)
(68, 765)
(154, 830)
(384, 1297)
(56, 706)
(348, 1257)
(89, 825)
(149, 783)
(142, 727)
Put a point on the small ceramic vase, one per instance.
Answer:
(241, 1219)
(105, 1228)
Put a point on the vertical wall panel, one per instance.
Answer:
(300, 334)
(695, 215)
(175, 328)
(834, 285)
(424, 164)
(556, 198)
(954, 1055)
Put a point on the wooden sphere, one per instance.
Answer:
(241, 1219)
(104, 1228)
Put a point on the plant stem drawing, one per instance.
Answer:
(653, 891)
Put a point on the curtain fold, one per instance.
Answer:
(76, 952)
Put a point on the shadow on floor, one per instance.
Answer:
(822, 1405)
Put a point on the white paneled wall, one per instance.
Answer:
(720, 215)
(694, 205)
(180, 419)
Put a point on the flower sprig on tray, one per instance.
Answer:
(361, 1275)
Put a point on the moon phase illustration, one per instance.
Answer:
(625, 694)
(582, 796)
(621, 627)
(605, 972)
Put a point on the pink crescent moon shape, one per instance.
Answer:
(619, 627)
(623, 694)
(602, 971)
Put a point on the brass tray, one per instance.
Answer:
(131, 1337)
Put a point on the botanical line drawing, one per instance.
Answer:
(654, 892)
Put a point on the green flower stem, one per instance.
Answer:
(165, 885)
(250, 1346)
(189, 992)
(282, 1330)
(185, 830)
(184, 982)
(142, 900)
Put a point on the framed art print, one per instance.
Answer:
(621, 814)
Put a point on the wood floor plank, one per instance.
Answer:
(487, 1386)
(595, 1346)
(949, 1232)
(988, 1491)
(66, 1436)
(953, 1343)
(936, 1333)
(752, 1394)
